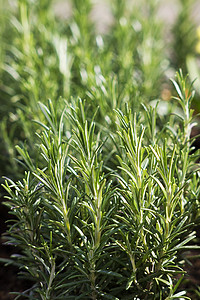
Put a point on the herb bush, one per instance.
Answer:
(44, 55)
(89, 230)
(36, 64)
(48, 57)
(108, 205)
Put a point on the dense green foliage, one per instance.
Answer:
(68, 53)
(89, 230)
(109, 201)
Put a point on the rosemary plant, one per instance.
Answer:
(89, 231)
(124, 64)
(109, 201)
(29, 74)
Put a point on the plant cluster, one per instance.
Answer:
(107, 224)
(45, 55)
(109, 201)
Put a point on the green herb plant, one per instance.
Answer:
(108, 205)
(48, 57)
(36, 64)
(89, 231)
